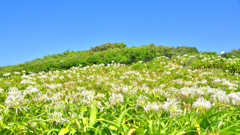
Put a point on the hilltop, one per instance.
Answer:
(105, 53)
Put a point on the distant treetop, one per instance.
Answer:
(107, 46)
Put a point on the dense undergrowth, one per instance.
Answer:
(178, 96)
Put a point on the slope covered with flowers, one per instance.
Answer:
(161, 96)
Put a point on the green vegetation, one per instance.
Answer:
(233, 53)
(186, 94)
(108, 46)
(112, 89)
(184, 50)
(106, 53)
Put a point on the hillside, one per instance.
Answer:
(105, 54)
(183, 95)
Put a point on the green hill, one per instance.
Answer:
(106, 53)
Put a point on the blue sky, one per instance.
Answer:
(31, 29)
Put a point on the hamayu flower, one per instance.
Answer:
(24, 81)
(171, 106)
(87, 97)
(235, 99)
(114, 99)
(1, 90)
(142, 101)
(53, 86)
(201, 103)
(7, 74)
(58, 118)
(15, 99)
(57, 97)
(16, 73)
(221, 96)
(152, 107)
(30, 89)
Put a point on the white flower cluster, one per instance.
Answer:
(1, 90)
(30, 90)
(144, 88)
(53, 86)
(15, 99)
(87, 97)
(142, 100)
(7, 74)
(58, 118)
(201, 103)
(154, 106)
(171, 106)
(234, 97)
(115, 99)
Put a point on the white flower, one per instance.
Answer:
(57, 96)
(100, 95)
(32, 89)
(16, 73)
(7, 74)
(58, 118)
(142, 100)
(171, 106)
(201, 103)
(53, 86)
(152, 107)
(15, 99)
(87, 97)
(114, 99)
(221, 96)
(234, 98)
(1, 90)
(61, 77)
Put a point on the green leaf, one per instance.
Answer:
(143, 122)
(204, 123)
(110, 122)
(51, 130)
(186, 130)
(122, 115)
(107, 130)
(106, 116)
(63, 131)
(131, 131)
(93, 114)
(78, 124)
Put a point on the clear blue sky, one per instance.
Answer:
(30, 29)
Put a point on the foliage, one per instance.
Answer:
(209, 53)
(233, 53)
(157, 97)
(69, 59)
(108, 46)
(210, 61)
(184, 50)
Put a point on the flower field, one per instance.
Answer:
(184, 95)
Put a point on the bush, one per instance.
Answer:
(108, 46)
